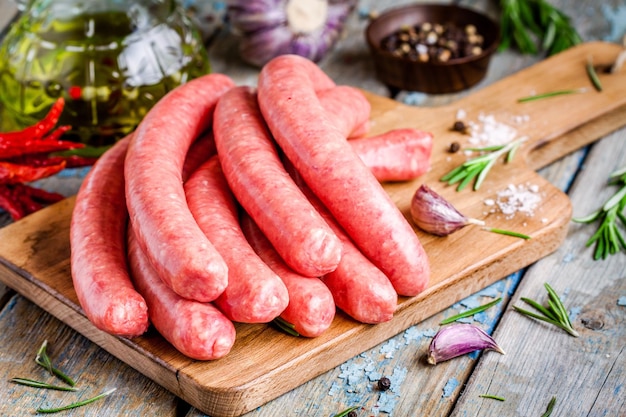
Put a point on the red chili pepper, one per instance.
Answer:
(40, 128)
(20, 199)
(43, 159)
(40, 195)
(75, 92)
(36, 146)
(8, 203)
(13, 173)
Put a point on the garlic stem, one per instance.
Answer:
(475, 221)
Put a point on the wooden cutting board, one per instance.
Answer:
(264, 363)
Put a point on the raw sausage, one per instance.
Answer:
(311, 308)
(163, 225)
(327, 163)
(359, 288)
(260, 183)
(98, 249)
(199, 152)
(349, 108)
(397, 155)
(255, 294)
(197, 330)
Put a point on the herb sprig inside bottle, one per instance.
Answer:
(435, 215)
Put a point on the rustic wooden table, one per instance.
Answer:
(586, 375)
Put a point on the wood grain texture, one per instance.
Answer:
(35, 255)
(586, 374)
(93, 369)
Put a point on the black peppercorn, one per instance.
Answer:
(384, 383)
(454, 147)
(352, 414)
(459, 126)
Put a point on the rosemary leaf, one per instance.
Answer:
(506, 232)
(43, 359)
(539, 308)
(347, 411)
(493, 397)
(549, 408)
(550, 94)
(285, 326)
(471, 312)
(593, 75)
(76, 404)
(39, 384)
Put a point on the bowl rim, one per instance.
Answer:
(388, 13)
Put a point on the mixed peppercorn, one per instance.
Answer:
(29, 155)
(434, 42)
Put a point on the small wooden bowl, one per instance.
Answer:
(433, 77)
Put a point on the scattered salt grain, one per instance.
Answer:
(522, 198)
(487, 131)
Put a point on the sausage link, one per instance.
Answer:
(359, 288)
(255, 294)
(311, 308)
(328, 164)
(260, 183)
(98, 249)
(349, 108)
(199, 152)
(197, 330)
(397, 155)
(165, 229)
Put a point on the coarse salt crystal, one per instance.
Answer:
(523, 198)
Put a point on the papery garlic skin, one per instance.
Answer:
(459, 339)
(269, 28)
(434, 214)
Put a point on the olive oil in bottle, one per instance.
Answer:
(111, 61)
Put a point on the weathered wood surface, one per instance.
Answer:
(585, 374)
(35, 251)
(429, 391)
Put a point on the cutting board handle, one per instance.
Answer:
(541, 121)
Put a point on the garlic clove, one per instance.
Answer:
(457, 340)
(434, 214)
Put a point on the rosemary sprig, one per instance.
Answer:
(608, 237)
(554, 314)
(43, 359)
(283, 325)
(471, 312)
(493, 397)
(478, 168)
(39, 384)
(76, 404)
(549, 408)
(534, 25)
(347, 411)
(549, 94)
